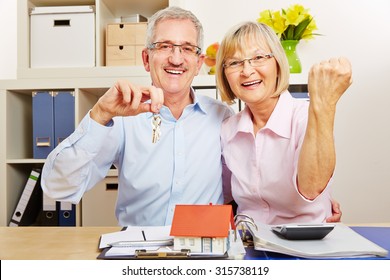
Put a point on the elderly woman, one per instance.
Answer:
(280, 150)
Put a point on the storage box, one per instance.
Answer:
(62, 36)
(104, 193)
(124, 43)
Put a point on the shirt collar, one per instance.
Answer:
(279, 121)
(198, 102)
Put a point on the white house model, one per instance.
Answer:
(202, 228)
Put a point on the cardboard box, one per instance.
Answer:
(62, 36)
(124, 43)
(104, 193)
(121, 55)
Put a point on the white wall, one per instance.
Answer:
(8, 39)
(353, 28)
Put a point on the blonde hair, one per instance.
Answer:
(235, 40)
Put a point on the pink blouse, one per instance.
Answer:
(264, 168)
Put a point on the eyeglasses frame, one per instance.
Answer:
(152, 46)
(240, 63)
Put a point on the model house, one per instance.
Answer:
(202, 228)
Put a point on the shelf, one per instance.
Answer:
(90, 78)
(106, 11)
(25, 161)
(123, 8)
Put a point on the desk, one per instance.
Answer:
(81, 243)
(51, 243)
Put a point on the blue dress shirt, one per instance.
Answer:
(183, 167)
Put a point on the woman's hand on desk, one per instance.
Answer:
(336, 213)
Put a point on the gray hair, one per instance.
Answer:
(173, 13)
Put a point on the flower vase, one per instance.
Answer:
(289, 47)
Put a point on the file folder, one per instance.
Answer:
(66, 214)
(341, 242)
(64, 115)
(64, 125)
(49, 212)
(43, 123)
(30, 202)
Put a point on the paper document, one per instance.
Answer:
(133, 235)
(140, 233)
(341, 242)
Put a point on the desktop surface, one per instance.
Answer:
(51, 243)
(81, 243)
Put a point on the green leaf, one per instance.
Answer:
(301, 27)
(290, 32)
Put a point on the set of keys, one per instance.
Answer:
(156, 131)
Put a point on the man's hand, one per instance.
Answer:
(126, 99)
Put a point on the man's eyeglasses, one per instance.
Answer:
(235, 65)
(164, 47)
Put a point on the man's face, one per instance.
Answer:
(173, 70)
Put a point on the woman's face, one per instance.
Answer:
(252, 74)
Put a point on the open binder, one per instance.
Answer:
(341, 242)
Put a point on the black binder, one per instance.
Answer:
(48, 215)
(66, 214)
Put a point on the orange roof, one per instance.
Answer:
(202, 220)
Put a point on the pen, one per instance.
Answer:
(142, 243)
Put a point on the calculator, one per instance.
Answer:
(303, 232)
